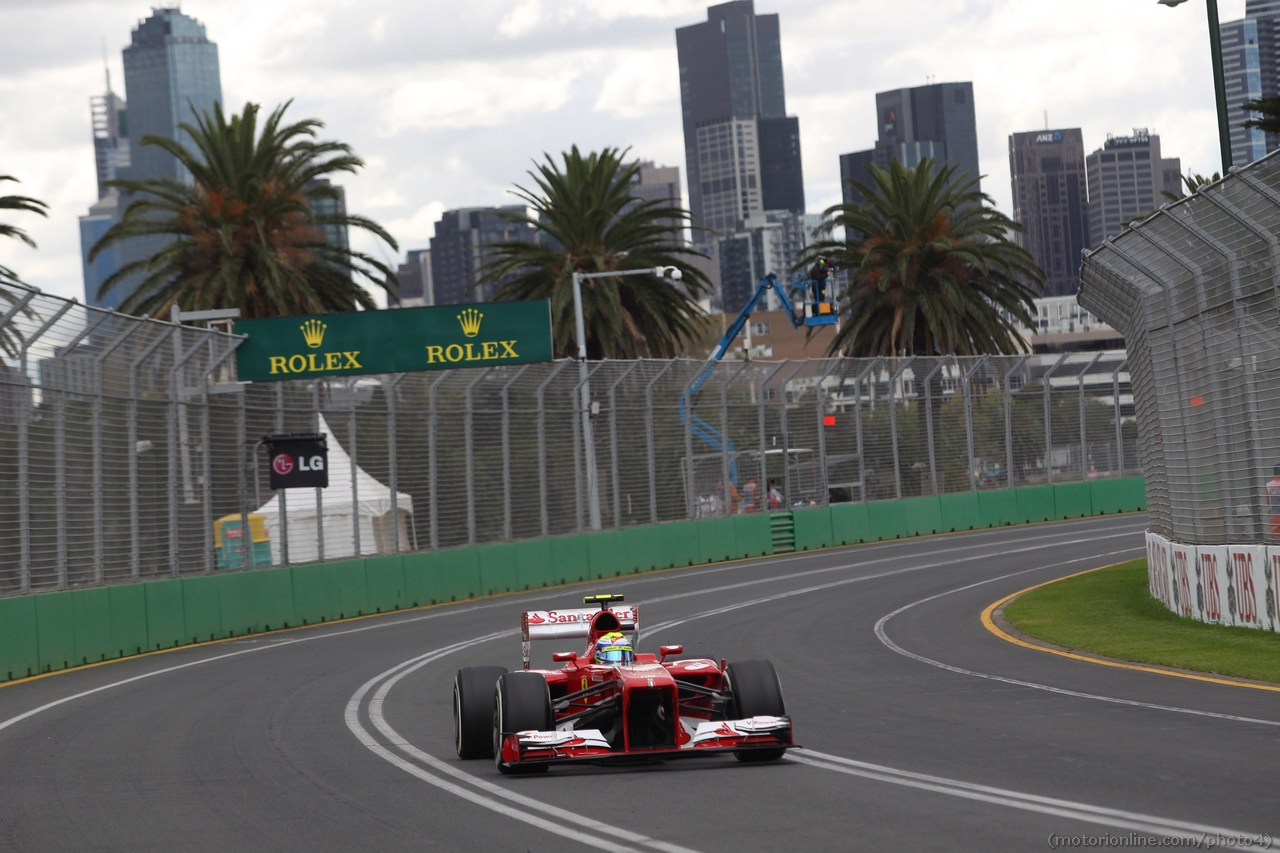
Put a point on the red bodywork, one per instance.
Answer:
(652, 709)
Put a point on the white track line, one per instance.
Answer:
(599, 835)
(884, 638)
(1015, 799)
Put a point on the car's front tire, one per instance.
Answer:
(472, 711)
(521, 703)
(756, 692)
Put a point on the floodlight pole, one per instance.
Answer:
(1219, 78)
(580, 333)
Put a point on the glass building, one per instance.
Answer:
(1126, 178)
(1051, 202)
(458, 250)
(1242, 70)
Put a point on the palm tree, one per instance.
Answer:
(244, 233)
(1268, 112)
(10, 337)
(932, 271)
(589, 222)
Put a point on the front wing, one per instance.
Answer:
(709, 738)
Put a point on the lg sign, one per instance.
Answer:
(298, 461)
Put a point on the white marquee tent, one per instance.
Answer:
(335, 515)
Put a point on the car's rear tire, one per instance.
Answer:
(756, 692)
(521, 702)
(473, 710)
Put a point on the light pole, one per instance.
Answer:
(1219, 79)
(580, 332)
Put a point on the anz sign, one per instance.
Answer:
(1051, 136)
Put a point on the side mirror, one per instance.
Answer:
(564, 657)
(670, 650)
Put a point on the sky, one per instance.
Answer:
(449, 103)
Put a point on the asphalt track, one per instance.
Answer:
(923, 731)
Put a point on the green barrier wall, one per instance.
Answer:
(56, 630)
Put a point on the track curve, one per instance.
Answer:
(922, 729)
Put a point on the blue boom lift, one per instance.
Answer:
(813, 312)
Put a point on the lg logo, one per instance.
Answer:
(283, 463)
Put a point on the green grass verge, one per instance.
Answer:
(1110, 612)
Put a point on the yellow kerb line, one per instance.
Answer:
(989, 623)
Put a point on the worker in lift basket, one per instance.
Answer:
(818, 274)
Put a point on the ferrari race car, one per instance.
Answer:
(641, 707)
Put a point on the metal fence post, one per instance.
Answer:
(584, 450)
(355, 475)
(315, 421)
(968, 420)
(393, 467)
(928, 422)
(690, 487)
(246, 544)
(99, 555)
(542, 446)
(507, 532)
(725, 441)
(1115, 399)
(433, 513)
(613, 443)
(786, 438)
(1008, 417)
(857, 417)
(283, 493)
(178, 433)
(1048, 416)
(469, 430)
(24, 450)
(1084, 446)
(648, 425)
(893, 424)
(134, 519)
(820, 400)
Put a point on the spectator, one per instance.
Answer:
(735, 499)
(775, 496)
(749, 492)
(1273, 501)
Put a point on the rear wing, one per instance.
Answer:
(571, 624)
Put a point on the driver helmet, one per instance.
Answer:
(614, 649)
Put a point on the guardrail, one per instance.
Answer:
(51, 631)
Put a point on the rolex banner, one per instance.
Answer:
(394, 341)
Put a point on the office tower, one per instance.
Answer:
(415, 280)
(1051, 202)
(766, 242)
(170, 76)
(458, 250)
(742, 151)
(1125, 178)
(1170, 178)
(1242, 70)
(103, 214)
(325, 206)
(1266, 17)
(935, 121)
(660, 183)
(110, 124)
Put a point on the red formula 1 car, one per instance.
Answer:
(646, 708)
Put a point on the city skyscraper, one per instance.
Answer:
(1126, 176)
(742, 151)
(171, 75)
(1051, 202)
(1242, 70)
(660, 183)
(458, 250)
(110, 125)
(1266, 17)
(935, 121)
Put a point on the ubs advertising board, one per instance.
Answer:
(394, 341)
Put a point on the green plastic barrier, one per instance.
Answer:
(384, 577)
(166, 622)
(201, 609)
(812, 528)
(998, 508)
(923, 515)
(350, 592)
(887, 520)
(313, 598)
(681, 540)
(960, 512)
(850, 524)
(606, 555)
(1035, 503)
(715, 540)
(19, 649)
(274, 589)
(569, 558)
(645, 551)
(497, 568)
(535, 565)
(91, 615)
(55, 630)
(1073, 500)
(127, 609)
(753, 535)
(239, 604)
(1124, 495)
(458, 574)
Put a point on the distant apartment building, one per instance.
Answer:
(416, 288)
(660, 183)
(935, 121)
(459, 250)
(1051, 203)
(1266, 17)
(330, 206)
(742, 150)
(1126, 177)
(766, 242)
(1242, 69)
(1060, 324)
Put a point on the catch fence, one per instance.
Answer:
(128, 449)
